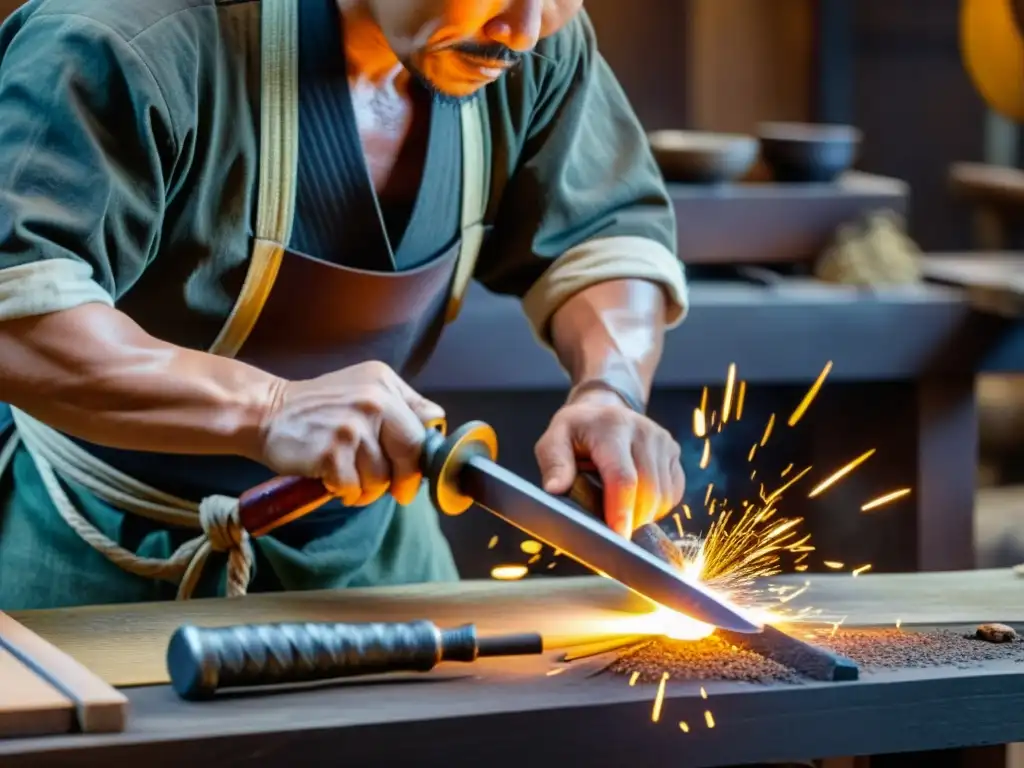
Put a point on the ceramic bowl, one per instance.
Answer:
(805, 152)
(703, 158)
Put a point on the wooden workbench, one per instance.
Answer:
(510, 712)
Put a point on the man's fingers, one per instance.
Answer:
(676, 476)
(374, 472)
(556, 459)
(678, 484)
(651, 487)
(401, 440)
(341, 477)
(613, 458)
(426, 410)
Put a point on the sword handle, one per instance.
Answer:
(283, 499)
(588, 493)
(201, 661)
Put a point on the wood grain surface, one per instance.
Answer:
(507, 713)
(99, 707)
(125, 644)
(29, 706)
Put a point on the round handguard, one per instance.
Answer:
(444, 457)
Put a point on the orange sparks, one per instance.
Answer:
(786, 471)
(552, 564)
(707, 495)
(705, 457)
(753, 450)
(509, 572)
(801, 409)
(704, 400)
(881, 501)
(493, 542)
(753, 474)
(553, 672)
(730, 383)
(768, 430)
(684, 727)
(531, 547)
(700, 427)
(709, 719)
(787, 598)
(533, 559)
(740, 397)
(863, 569)
(703, 693)
(633, 678)
(839, 474)
(800, 568)
(834, 565)
(679, 523)
(789, 484)
(686, 511)
(659, 698)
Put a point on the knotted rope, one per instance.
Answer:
(215, 517)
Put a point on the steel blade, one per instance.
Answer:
(590, 541)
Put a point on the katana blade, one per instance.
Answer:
(591, 542)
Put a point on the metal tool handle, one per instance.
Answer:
(201, 661)
(587, 492)
(283, 499)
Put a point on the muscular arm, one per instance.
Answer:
(93, 373)
(612, 332)
(88, 151)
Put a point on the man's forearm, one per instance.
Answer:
(93, 373)
(612, 332)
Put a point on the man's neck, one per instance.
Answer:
(369, 57)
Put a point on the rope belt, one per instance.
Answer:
(215, 517)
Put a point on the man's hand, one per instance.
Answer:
(359, 430)
(639, 462)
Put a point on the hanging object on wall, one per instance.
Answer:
(992, 46)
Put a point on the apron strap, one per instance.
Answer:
(279, 150)
(475, 179)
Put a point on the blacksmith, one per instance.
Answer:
(232, 230)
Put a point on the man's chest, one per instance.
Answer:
(393, 129)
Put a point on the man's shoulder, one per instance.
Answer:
(575, 40)
(126, 19)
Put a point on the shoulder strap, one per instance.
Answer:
(279, 121)
(475, 180)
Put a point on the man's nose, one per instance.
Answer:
(518, 27)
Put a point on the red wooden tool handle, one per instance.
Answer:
(278, 501)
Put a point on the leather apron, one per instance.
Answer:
(299, 317)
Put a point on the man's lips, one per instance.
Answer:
(490, 67)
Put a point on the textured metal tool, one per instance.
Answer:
(202, 661)
(461, 470)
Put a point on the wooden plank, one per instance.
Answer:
(30, 706)
(958, 597)
(99, 708)
(125, 644)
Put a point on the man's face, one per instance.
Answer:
(455, 47)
